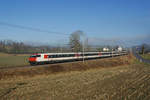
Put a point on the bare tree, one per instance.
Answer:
(143, 49)
(74, 42)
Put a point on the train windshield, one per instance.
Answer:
(34, 56)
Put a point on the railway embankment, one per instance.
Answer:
(30, 71)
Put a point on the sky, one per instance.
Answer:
(102, 21)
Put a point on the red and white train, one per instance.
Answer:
(42, 58)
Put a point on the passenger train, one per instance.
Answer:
(44, 58)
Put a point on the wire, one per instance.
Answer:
(49, 32)
(31, 28)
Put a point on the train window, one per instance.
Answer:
(38, 55)
(57, 56)
(33, 56)
(60, 55)
(90, 54)
(53, 56)
(69, 55)
(63, 55)
(72, 55)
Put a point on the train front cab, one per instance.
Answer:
(33, 59)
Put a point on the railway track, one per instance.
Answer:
(53, 63)
(64, 67)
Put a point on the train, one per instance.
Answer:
(46, 58)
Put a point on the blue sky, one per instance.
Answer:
(100, 20)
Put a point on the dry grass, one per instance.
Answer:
(116, 83)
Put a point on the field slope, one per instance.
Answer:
(123, 82)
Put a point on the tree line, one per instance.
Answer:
(74, 45)
(9, 46)
(77, 43)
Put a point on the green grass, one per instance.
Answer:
(146, 56)
(136, 61)
(11, 60)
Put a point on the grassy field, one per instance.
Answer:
(146, 56)
(129, 81)
(11, 60)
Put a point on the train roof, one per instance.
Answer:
(70, 53)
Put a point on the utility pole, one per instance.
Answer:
(112, 53)
(83, 45)
(112, 48)
(83, 50)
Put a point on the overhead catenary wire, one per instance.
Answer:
(46, 31)
(31, 28)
